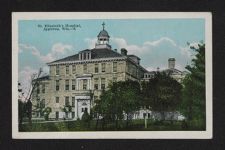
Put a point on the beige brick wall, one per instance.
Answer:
(124, 71)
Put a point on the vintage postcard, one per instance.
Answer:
(112, 75)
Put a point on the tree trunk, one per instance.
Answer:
(127, 121)
(162, 116)
(96, 125)
(103, 123)
(21, 113)
(29, 111)
(116, 123)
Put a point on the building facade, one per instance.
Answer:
(75, 82)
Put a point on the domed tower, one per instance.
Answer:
(103, 39)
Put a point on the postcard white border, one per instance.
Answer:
(208, 134)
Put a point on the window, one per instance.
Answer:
(96, 83)
(85, 68)
(43, 103)
(85, 84)
(103, 67)
(74, 69)
(84, 56)
(57, 70)
(67, 69)
(38, 102)
(67, 86)
(89, 56)
(43, 88)
(56, 99)
(57, 85)
(67, 103)
(102, 83)
(114, 66)
(73, 101)
(73, 84)
(84, 109)
(50, 71)
(96, 68)
(73, 114)
(66, 114)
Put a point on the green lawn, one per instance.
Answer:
(134, 125)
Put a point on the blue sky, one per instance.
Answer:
(153, 40)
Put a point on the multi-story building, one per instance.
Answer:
(78, 80)
(171, 70)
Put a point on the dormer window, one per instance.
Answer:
(85, 55)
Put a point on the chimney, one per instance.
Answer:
(123, 51)
(171, 63)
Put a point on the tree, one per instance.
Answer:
(193, 104)
(46, 112)
(25, 106)
(34, 82)
(121, 97)
(67, 109)
(162, 93)
(86, 119)
(21, 105)
(130, 98)
(21, 112)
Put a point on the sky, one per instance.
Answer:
(153, 40)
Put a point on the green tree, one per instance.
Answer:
(22, 114)
(67, 109)
(86, 119)
(162, 93)
(46, 112)
(130, 98)
(121, 97)
(193, 104)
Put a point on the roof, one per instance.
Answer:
(86, 50)
(172, 71)
(103, 33)
(95, 54)
(44, 77)
(134, 56)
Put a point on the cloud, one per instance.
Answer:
(90, 42)
(58, 50)
(155, 53)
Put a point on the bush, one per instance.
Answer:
(46, 112)
(86, 119)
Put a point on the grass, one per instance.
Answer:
(134, 125)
